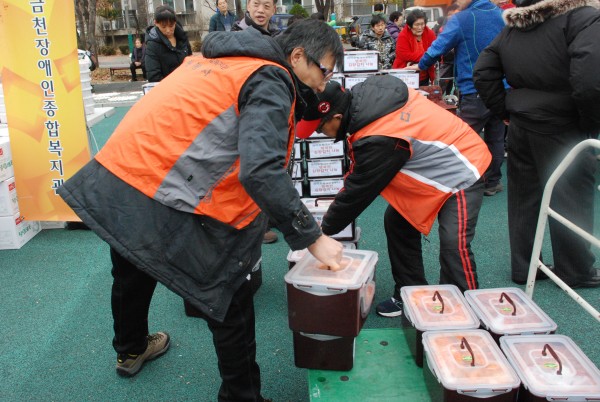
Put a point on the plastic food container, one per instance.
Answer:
(551, 368)
(323, 352)
(509, 311)
(327, 302)
(467, 365)
(294, 256)
(433, 308)
(318, 207)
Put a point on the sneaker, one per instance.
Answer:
(490, 191)
(390, 308)
(129, 365)
(270, 237)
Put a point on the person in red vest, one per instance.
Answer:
(183, 189)
(427, 164)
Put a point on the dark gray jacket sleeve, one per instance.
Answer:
(377, 160)
(152, 60)
(265, 102)
(487, 77)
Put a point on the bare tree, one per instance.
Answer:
(85, 11)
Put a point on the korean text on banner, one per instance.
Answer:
(44, 103)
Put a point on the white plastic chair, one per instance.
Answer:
(546, 211)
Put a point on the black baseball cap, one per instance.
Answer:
(331, 101)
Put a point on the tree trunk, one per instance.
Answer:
(86, 15)
(238, 9)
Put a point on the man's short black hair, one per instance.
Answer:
(165, 13)
(318, 16)
(378, 7)
(317, 39)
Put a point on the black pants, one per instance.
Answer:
(473, 112)
(133, 69)
(532, 158)
(457, 220)
(234, 338)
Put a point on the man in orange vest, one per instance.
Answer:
(183, 189)
(426, 162)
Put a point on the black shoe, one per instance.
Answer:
(591, 282)
(540, 276)
(490, 191)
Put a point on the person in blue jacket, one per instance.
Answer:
(223, 19)
(468, 33)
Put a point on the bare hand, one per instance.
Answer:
(413, 67)
(328, 251)
(138, 63)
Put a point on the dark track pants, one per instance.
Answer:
(234, 338)
(457, 220)
(473, 112)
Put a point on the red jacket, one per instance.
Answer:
(407, 50)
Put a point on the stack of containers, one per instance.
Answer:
(551, 368)
(433, 308)
(327, 309)
(467, 365)
(14, 230)
(509, 311)
(2, 106)
(359, 65)
(86, 83)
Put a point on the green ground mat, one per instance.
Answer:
(384, 371)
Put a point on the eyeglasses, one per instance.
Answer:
(327, 73)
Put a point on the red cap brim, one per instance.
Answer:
(305, 128)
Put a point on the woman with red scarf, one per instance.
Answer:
(413, 41)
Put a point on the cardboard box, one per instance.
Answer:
(15, 231)
(8, 198)
(6, 162)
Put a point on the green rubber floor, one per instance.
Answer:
(384, 371)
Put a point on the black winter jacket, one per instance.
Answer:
(162, 57)
(201, 259)
(549, 53)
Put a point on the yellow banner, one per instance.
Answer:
(44, 103)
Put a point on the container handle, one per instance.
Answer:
(463, 344)
(508, 299)
(553, 353)
(439, 297)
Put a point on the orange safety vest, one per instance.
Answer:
(179, 143)
(446, 156)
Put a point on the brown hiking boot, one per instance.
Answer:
(270, 237)
(129, 365)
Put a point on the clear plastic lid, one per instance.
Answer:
(469, 362)
(552, 366)
(358, 267)
(437, 307)
(509, 311)
(295, 256)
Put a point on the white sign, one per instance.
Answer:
(360, 61)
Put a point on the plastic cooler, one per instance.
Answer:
(433, 308)
(323, 352)
(551, 368)
(509, 311)
(327, 302)
(467, 365)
